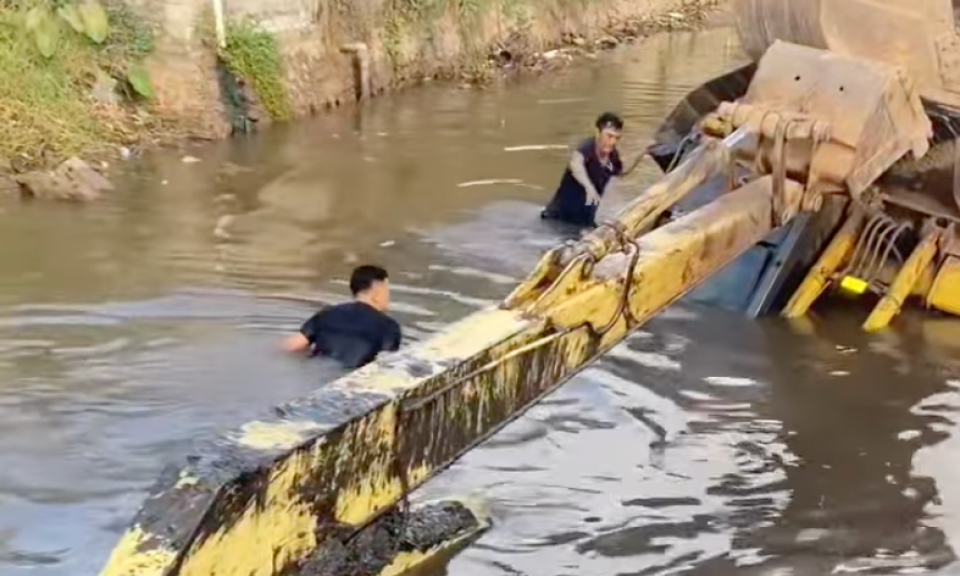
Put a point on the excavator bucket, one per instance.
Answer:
(917, 36)
(872, 113)
(678, 135)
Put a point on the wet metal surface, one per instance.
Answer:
(377, 545)
(706, 444)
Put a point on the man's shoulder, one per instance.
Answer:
(586, 146)
(350, 307)
(331, 312)
(387, 321)
(368, 313)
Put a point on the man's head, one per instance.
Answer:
(609, 129)
(370, 284)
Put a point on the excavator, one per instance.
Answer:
(826, 166)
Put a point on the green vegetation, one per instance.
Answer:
(415, 23)
(69, 72)
(253, 54)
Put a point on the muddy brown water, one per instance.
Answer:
(706, 444)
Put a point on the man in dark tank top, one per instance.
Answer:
(591, 167)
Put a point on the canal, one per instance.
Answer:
(705, 444)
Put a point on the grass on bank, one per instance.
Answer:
(253, 54)
(49, 71)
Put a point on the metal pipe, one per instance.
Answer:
(218, 23)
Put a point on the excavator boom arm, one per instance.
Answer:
(358, 445)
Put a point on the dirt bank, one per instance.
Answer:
(153, 82)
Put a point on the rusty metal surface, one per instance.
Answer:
(918, 36)
(672, 136)
(761, 22)
(874, 115)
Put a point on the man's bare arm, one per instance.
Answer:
(578, 168)
(296, 343)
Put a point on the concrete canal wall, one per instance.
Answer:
(399, 42)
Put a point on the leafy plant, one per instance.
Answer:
(70, 14)
(253, 54)
(139, 78)
(51, 23)
(94, 19)
(45, 21)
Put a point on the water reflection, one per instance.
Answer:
(851, 418)
(705, 443)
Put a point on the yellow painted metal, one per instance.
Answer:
(854, 285)
(944, 294)
(637, 217)
(824, 119)
(268, 495)
(819, 276)
(923, 285)
(891, 302)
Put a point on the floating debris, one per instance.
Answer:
(490, 181)
(220, 231)
(231, 169)
(908, 435)
(561, 101)
(536, 147)
(729, 381)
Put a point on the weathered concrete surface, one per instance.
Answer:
(406, 44)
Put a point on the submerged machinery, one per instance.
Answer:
(827, 164)
(897, 239)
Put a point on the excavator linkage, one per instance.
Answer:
(897, 241)
(810, 136)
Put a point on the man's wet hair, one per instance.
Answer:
(364, 277)
(609, 120)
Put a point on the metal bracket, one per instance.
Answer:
(948, 56)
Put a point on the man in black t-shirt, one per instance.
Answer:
(353, 333)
